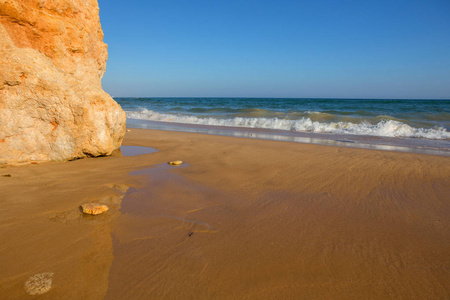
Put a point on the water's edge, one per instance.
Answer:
(410, 145)
(424, 119)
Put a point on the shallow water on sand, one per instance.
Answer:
(136, 150)
(251, 225)
(156, 230)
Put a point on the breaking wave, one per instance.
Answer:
(384, 128)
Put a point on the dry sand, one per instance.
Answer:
(240, 219)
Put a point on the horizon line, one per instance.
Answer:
(256, 97)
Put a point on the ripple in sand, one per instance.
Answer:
(119, 187)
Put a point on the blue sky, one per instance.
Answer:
(249, 48)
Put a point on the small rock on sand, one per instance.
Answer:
(175, 162)
(38, 284)
(94, 208)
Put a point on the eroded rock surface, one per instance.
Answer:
(52, 105)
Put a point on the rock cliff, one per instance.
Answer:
(52, 105)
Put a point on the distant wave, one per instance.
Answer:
(385, 128)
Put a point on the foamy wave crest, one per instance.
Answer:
(386, 128)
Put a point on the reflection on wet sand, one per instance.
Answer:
(155, 226)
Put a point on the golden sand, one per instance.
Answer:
(244, 219)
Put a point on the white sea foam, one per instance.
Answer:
(386, 128)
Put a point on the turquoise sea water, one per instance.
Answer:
(419, 120)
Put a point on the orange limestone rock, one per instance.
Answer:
(52, 105)
(94, 208)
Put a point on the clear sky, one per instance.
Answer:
(277, 48)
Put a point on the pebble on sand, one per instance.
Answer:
(94, 208)
(38, 284)
(175, 162)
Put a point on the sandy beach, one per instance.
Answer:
(239, 219)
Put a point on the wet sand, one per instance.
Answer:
(240, 219)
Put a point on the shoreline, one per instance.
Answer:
(268, 219)
(408, 145)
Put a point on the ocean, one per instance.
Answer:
(389, 124)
